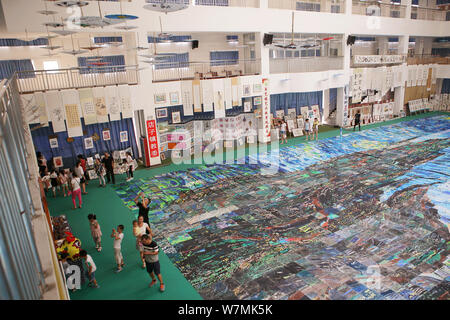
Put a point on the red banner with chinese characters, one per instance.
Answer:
(152, 139)
(266, 110)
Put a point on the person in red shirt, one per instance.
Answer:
(83, 165)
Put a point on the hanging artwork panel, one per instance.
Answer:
(219, 102)
(228, 93)
(39, 98)
(88, 143)
(125, 101)
(196, 90)
(186, 92)
(55, 110)
(123, 136)
(112, 103)
(100, 104)
(87, 106)
(207, 95)
(72, 108)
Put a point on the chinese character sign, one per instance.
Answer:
(152, 138)
(266, 110)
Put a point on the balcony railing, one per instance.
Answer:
(42, 80)
(423, 13)
(332, 6)
(204, 70)
(227, 3)
(375, 8)
(377, 60)
(427, 59)
(312, 64)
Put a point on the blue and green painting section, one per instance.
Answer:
(362, 216)
(336, 210)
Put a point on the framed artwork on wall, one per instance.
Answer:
(247, 106)
(58, 162)
(247, 90)
(161, 113)
(106, 135)
(176, 118)
(123, 136)
(88, 143)
(257, 100)
(53, 143)
(160, 98)
(257, 88)
(174, 98)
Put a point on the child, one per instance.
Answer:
(96, 232)
(62, 177)
(130, 165)
(100, 170)
(316, 128)
(54, 182)
(307, 128)
(91, 268)
(283, 132)
(118, 237)
(150, 251)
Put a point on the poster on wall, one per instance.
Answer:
(88, 143)
(106, 135)
(53, 143)
(257, 88)
(176, 118)
(345, 109)
(219, 99)
(112, 103)
(160, 98)
(55, 110)
(186, 92)
(257, 101)
(196, 90)
(125, 101)
(41, 105)
(227, 88)
(123, 136)
(58, 162)
(161, 113)
(247, 106)
(316, 111)
(235, 91)
(246, 90)
(100, 105)
(207, 95)
(87, 106)
(174, 99)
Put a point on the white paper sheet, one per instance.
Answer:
(55, 110)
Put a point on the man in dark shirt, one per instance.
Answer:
(357, 121)
(108, 161)
(150, 251)
(143, 206)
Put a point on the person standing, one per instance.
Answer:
(139, 230)
(118, 237)
(108, 161)
(307, 128)
(150, 251)
(316, 128)
(79, 172)
(143, 206)
(100, 170)
(283, 132)
(75, 189)
(357, 121)
(96, 232)
(130, 166)
(83, 165)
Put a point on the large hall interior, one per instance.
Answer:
(224, 150)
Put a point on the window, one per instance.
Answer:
(395, 14)
(51, 65)
(306, 6)
(223, 3)
(413, 15)
(101, 64)
(224, 58)
(335, 9)
(172, 60)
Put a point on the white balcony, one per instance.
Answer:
(306, 64)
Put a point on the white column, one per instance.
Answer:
(325, 104)
(427, 45)
(383, 44)
(399, 92)
(348, 7)
(407, 4)
(264, 4)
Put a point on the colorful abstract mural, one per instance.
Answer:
(365, 216)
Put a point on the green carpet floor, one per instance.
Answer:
(132, 282)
